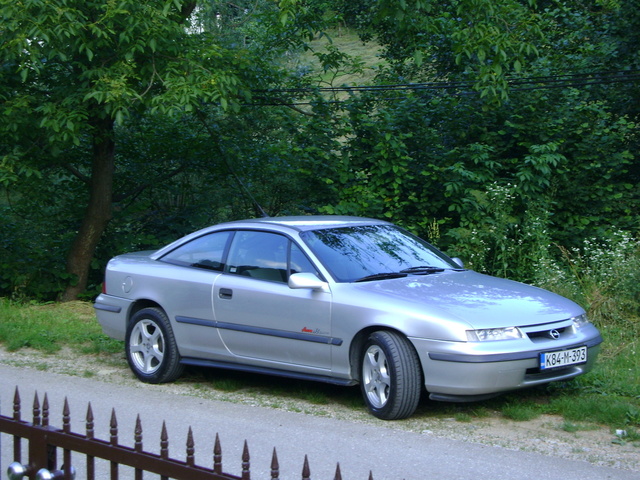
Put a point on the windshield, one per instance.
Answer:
(359, 252)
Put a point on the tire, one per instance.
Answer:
(391, 378)
(151, 348)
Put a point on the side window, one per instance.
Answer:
(300, 263)
(260, 255)
(203, 252)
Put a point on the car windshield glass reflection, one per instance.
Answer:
(373, 252)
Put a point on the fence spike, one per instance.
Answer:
(217, 456)
(137, 446)
(246, 474)
(306, 473)
(137, 435)
(36, 409)
(113, 431)
(16, 405)
(89, 434)
(66, 416)
(164, 441)
(89, 425)
(370, 475)
(113, 438)
(17, 449)
(45, 410)
(164, 446)
(275, 466)
(190, 449)
(338, 475)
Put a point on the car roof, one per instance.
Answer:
(305, 222)
(299, 223)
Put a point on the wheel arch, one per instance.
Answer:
(141, 305)
(355, 349)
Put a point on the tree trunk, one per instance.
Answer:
(98, 212)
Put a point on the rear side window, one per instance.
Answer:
(205, 252)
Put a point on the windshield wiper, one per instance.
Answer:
(422, 270)
(381, 276)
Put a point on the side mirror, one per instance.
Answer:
(458, 262)
(308, 281)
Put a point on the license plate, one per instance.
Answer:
(563, 358)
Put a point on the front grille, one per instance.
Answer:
(546, 334)
(549, 332)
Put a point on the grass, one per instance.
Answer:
(359, 66)
(571, 427)
(50, 327)
(522, 411)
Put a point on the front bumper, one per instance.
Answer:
(458, 371)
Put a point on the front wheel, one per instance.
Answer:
(151, 348)
(391, 379)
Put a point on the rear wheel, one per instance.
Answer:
(151, 348)
(391, 380)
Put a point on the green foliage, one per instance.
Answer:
(565, 153)
(477, 41)
(118, 56)
(32, 254)
(600, 267)
(495, 237)
(507, 178)
(50, 327)
(521, 411)
(592, 408)
(71, 70)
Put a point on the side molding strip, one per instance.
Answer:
(305, 337)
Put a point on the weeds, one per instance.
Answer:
(571, 427)
(521, 412)
(505, 237)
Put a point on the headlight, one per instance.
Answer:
(580, 321)
(492, 334)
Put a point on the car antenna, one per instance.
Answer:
(257, 206)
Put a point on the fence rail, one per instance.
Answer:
(45, 443)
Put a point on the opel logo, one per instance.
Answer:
(555, 334)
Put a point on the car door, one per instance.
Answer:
(259, 318)
(187, 291)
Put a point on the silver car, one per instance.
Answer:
(343, 300)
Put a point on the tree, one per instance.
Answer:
(541, 154)
(74, 69)
(481, 42)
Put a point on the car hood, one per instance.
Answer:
(481, 301)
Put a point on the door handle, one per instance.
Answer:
(225, 293)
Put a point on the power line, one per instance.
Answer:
(460, 87)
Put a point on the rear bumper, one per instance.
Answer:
(112, 313)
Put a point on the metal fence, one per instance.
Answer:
(49, 451)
